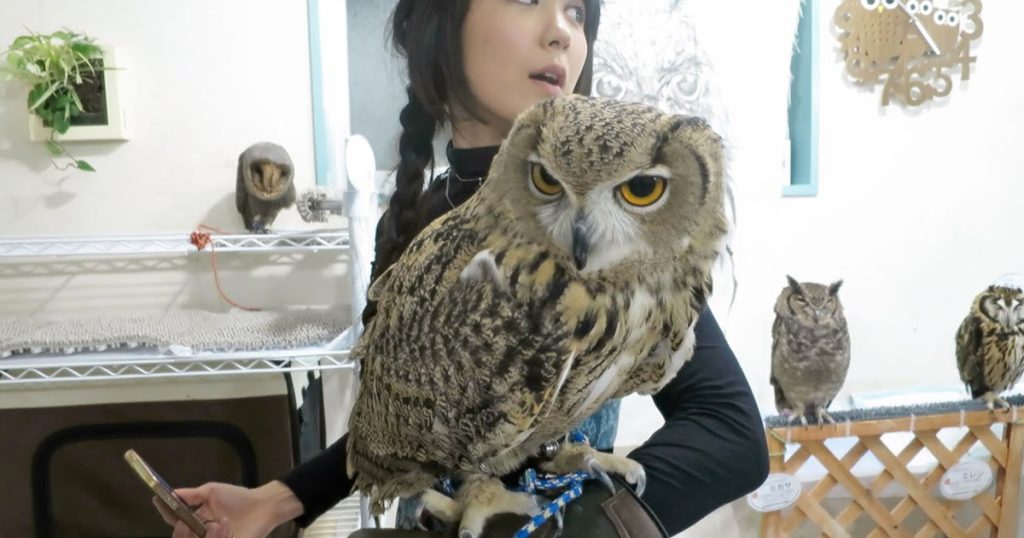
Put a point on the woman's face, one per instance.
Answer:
(517, 53)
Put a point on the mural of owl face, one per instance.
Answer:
(652, 55)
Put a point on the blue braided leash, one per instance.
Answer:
(531, 482)
(572, 482)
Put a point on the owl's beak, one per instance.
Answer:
(881, 8)
(580, 241)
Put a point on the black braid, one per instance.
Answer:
(401, 222)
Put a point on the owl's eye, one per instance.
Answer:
(610, 86)
(940, 17)
(542, 182)
(953, 19)
(869, 4)
(913, 6)
(890, 4)
(926, 7)
(642, 191)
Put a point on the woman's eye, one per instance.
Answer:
(578, 14)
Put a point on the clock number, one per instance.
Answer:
(965, 59)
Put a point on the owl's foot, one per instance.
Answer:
(991, 399)
(580, 457)
(476, 501)
(801, 416)
(823, 416)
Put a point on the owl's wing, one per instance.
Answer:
(969, 353)
(455, 370)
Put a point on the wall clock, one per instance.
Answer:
(912, 48)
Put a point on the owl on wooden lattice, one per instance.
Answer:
(810, 349)
(990, 341)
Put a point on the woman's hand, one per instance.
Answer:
(235, 512)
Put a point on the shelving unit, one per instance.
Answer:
(129, 364)
(169, 244)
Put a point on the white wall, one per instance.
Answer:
(202, 81)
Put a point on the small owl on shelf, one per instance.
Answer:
(810, 349)
(990, 341)
(264, 185)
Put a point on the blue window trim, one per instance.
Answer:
(320, 146)
(803, 106)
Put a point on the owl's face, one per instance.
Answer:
(1003, 305)
(810, 303)
(609, 182)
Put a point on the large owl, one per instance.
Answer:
(264, 185)
(810, 349)
(990, 341)
(574, 275)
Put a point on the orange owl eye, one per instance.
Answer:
(542, 182)
(642, 191)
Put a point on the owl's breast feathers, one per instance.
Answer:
(989, 356)
(475, 374)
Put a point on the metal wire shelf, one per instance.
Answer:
(61, 246)
(106, 366)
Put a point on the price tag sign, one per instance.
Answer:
(965, 480)
(779, 491)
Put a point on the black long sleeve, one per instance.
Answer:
(711, 449)
(321, 482)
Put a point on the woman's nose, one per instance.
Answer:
(556, 31)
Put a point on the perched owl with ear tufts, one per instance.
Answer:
(810, 349)
(990, 341)
(574, 275)
(264, 185)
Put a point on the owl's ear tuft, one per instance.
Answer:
(794, 285)
(834, 288)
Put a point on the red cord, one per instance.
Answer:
(201, 240)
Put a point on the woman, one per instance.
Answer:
(475, 65)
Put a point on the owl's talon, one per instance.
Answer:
(420, 507)
(641, 483)
(595, 469)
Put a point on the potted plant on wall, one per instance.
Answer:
(64, 72)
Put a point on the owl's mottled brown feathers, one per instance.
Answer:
(810, 349)
(990, 343)
(489, 340)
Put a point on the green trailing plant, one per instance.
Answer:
(55, 67)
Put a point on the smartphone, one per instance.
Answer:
(164, 493)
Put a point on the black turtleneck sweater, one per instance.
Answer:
(710, 451)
